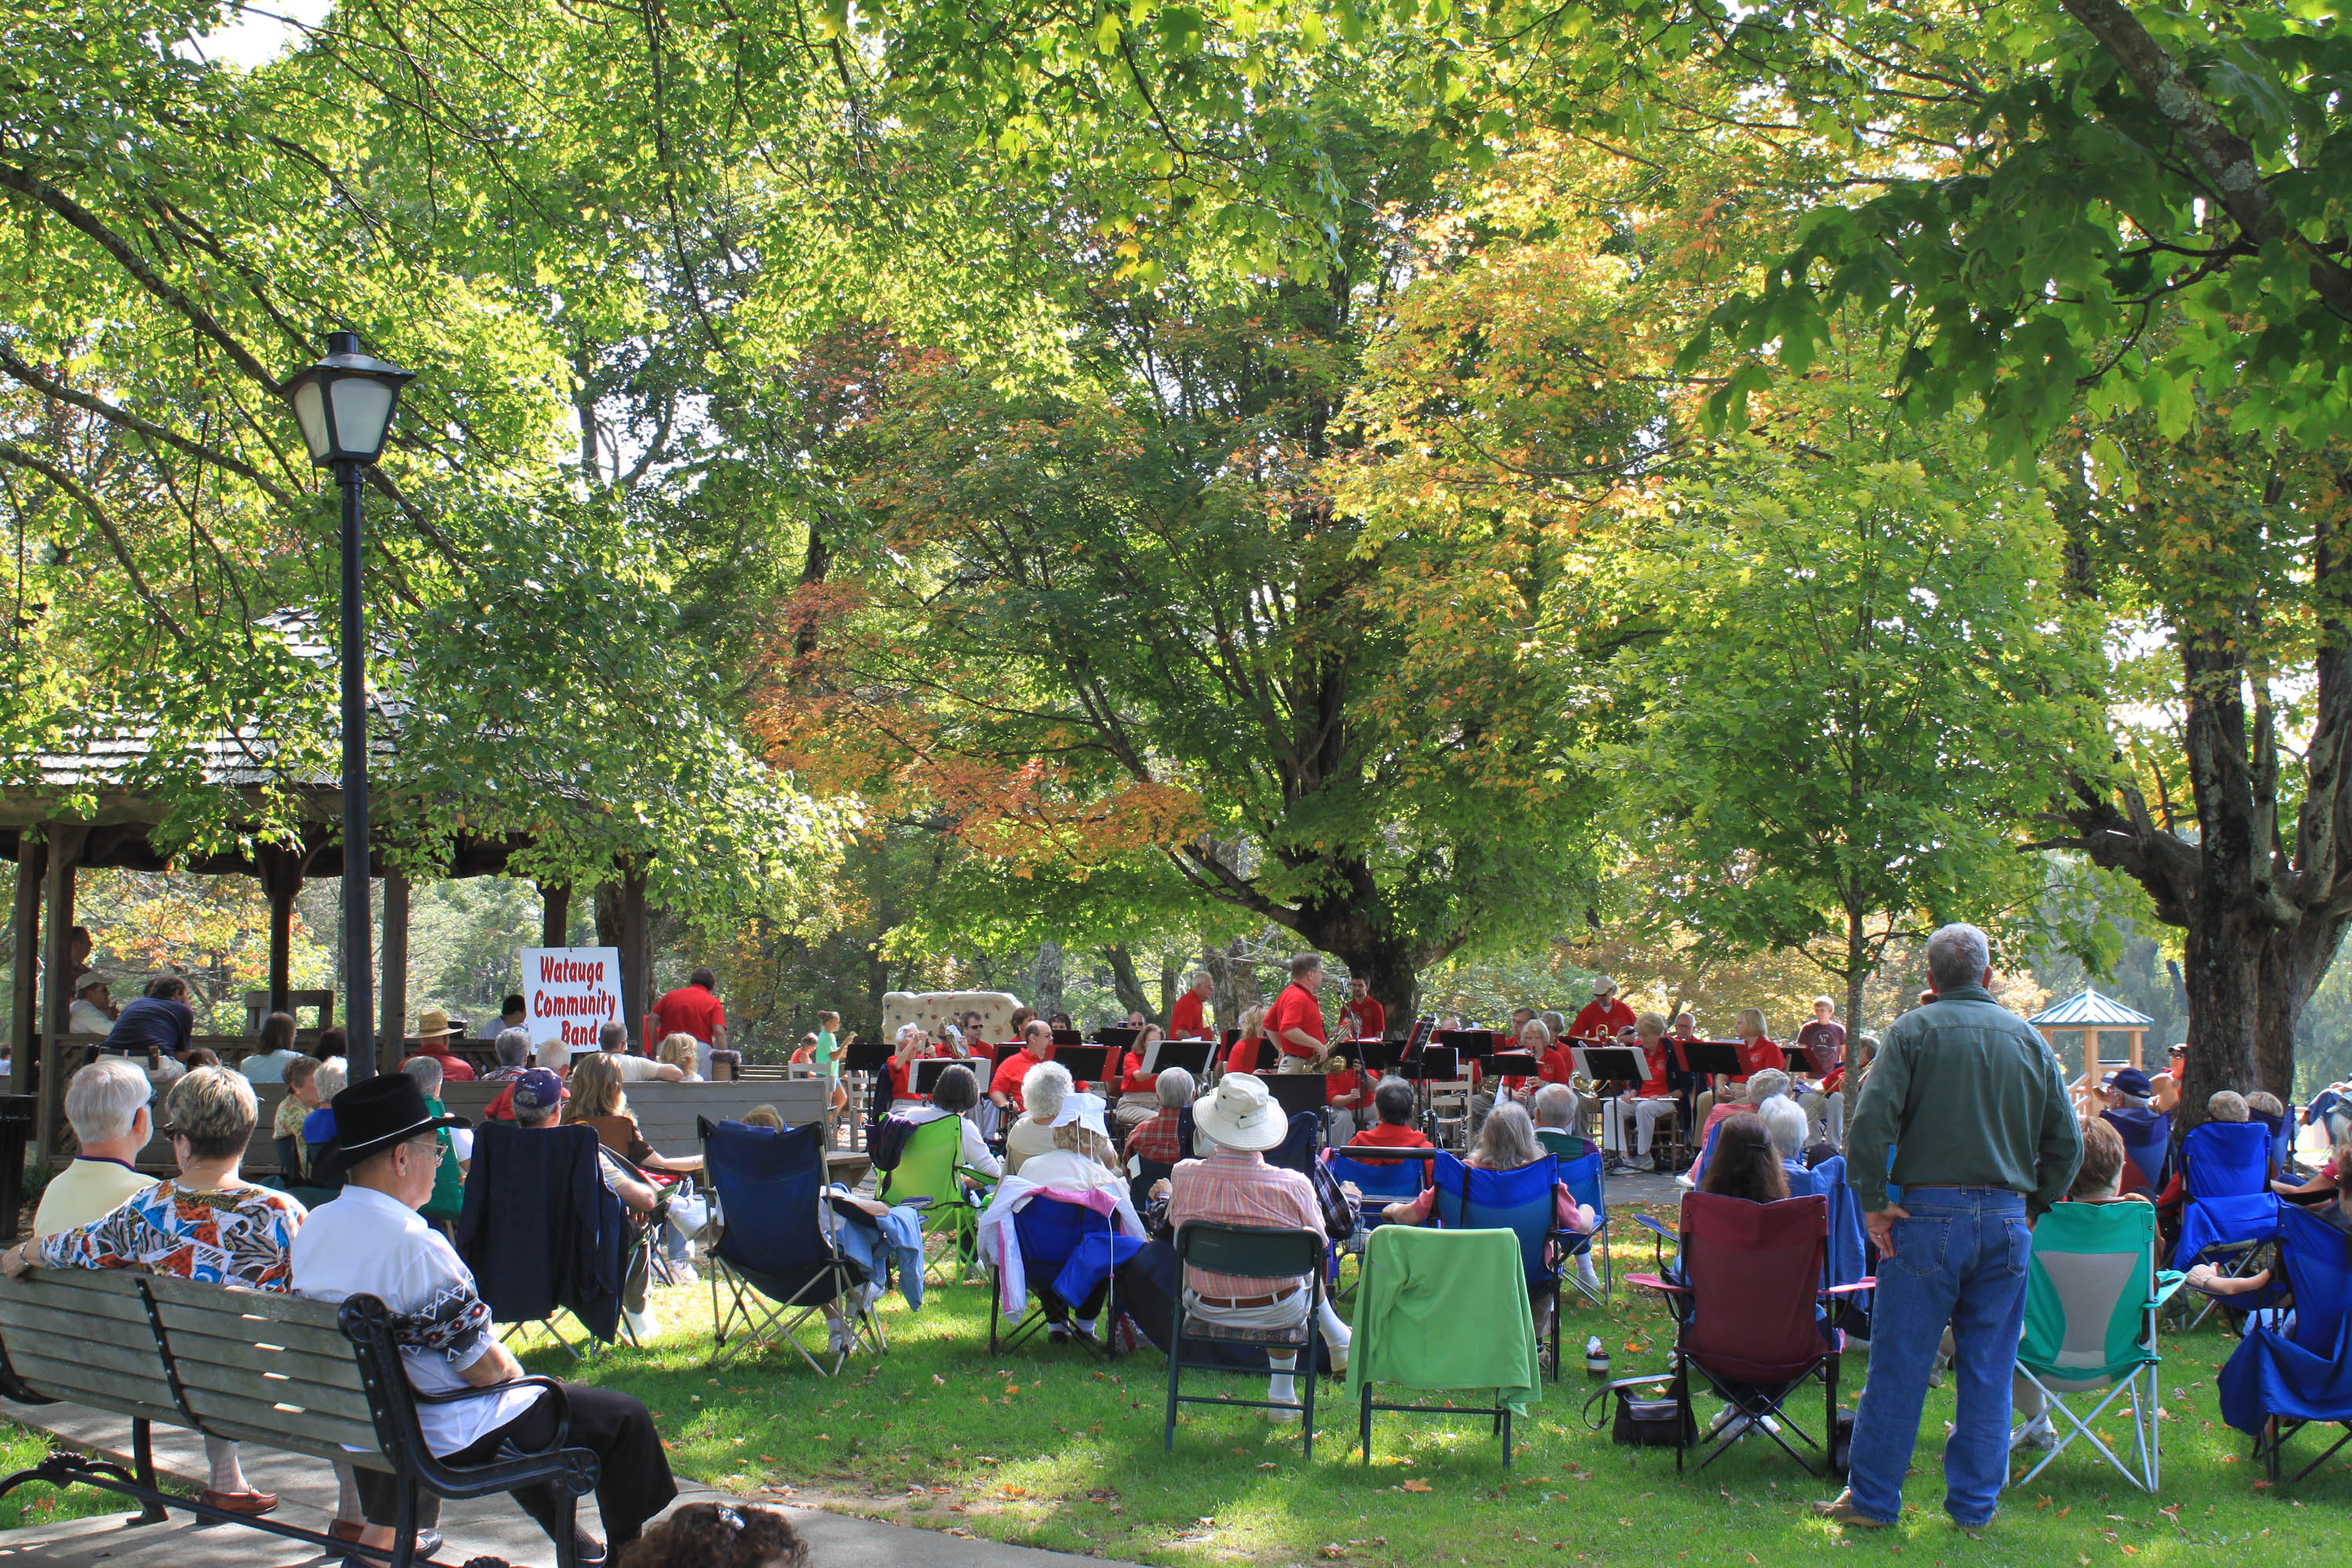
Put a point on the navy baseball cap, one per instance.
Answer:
(538, 1090)
(2131, 1081)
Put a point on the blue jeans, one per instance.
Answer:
(1960, 1259)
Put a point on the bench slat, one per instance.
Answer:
(269, 1306)
(97, 1293)
(368, 1458)
(261, 1354)
(348, 1403)
(261, 1415)
(65, 1342)
(74, 1380)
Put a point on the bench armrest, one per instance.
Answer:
(562, 1401)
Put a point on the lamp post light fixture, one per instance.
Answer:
(344, 405)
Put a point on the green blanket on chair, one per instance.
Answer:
(1446, 1309)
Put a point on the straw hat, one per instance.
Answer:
(432, 1024)
(1242, 1114)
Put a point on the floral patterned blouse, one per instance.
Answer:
(235, 1237)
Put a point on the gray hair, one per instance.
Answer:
(333, 1077)
(1174, 1088)
(1763, 1086)
(1785, 1120)
(513, 1047)
(1507, 1140)
(1957, 954)
(613, 1037)
(426, 1071)
(1553, 1022)
(103, 1098)
(537, 1116)
(1555, 1106)
(1044, 1089)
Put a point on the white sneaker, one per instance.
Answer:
(1586, 1272)
(2037, 1433)
(1338, 1356)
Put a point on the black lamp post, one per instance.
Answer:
(344, 405)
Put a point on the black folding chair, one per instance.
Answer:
(1254, 1252)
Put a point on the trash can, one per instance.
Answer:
(16, 1113)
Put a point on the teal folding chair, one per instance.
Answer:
(2092, 1295)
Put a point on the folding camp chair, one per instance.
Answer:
(535, 1203)
(1382, 1175)
(2147, 1146)
(1417, 1287)
(1298, 1147)
(1520, 1202)
(1583, 1170)
(2295, 1369)
(1249, 1252)
(1752, 1316)
(2228, 1216)
(946, 1193)
(1848, 1258)
(2092, 1295)
(775, 1256)
(1064, 1247)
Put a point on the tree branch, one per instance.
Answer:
(98, 514)
(114, 414)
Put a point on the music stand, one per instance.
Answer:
(1710, 1059)
(1085, 1062)
(1469, 1042)
(1420, 1035)
(927, 1071)
(1193, 1056)
(1068, 1037)
(1121, 1040)
(1513, 1064)
(1610, 1064)
(1442, 1064)
(858, 1056)
(1381, 1056)
(1298, 1092)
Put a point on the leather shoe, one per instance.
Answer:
(249, 1503)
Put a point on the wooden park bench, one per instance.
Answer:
(250, 1365)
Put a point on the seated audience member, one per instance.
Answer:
(433, 1032)
(514, 1012)
(1160, 1140)
(1137, 1100)
(1507, 1143)
(2226, 1105)
(2098, 1179)
(1004, 1089)
(2211, 1281)
(613, 1041)
(198, 1056)
(766, 1116)
(718, 1535)
(265, 1063)
(372, 1241)
(1079, 1160)
(2125, 1089)
(106, 1105)
(1762, 1087)
(1745, 1164)
(1785, 1124)
(1393, 1103)
(207, 1224)
(1044, 1091)
(155, 1026)
(513, 1050)
(330, 1044)
(448, 1199)
(539, 1104)
(1235, 1186)
(2164, 1088)
(327, 1080)
(93, 1010)
(1553, 1112)
(677, 1051)
(957, 1094)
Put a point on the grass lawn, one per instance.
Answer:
(1043, 1448)
(34, 1503)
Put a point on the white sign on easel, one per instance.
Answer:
(569, 994)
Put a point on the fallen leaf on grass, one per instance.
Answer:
(1415, 1484)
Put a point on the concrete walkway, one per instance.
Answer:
(488, 1527)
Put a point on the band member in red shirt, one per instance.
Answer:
(1246, 1052)
(1138, 1091)
(1186, 1020)
(1036, 1045)
(1756, 1053)
(1363, 1018)
(1604, 1015)
(1294, 1021)
(1645, 1104)
(911, 1046)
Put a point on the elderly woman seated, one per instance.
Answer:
(209, 1224)
(1160, 1140)
(1043, 1091)
(1507, 1142)
(1078, 1159)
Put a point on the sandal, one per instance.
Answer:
(239, 1502)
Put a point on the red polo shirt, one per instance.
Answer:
(1600, 1019)
(1009, 1073)
(1295, 1008)
(691, 1010)
(1243, 1057)
(1365, 1020)
(1756, 1058)
(1184, 1019)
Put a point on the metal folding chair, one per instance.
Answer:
(1251, 1252)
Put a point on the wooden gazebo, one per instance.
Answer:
(2087, 1027)
(78, 812)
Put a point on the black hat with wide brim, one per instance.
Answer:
(372, 1115)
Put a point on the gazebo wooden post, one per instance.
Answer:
(2137, 1036)
(554, 914)
(24, 1003)
(279, 870)
(66, 841)
(394, 982)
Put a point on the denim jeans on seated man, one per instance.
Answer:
(1960, 1259)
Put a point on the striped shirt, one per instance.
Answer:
(1236, 1186)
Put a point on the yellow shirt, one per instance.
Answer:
(84, 1191)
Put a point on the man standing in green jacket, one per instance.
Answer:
(1966, 1113)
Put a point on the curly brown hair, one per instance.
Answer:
(717, 1536)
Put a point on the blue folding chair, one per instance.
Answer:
(1297, 1149)
(1383, 1176)
(1587, 1182)
(2229, 1214)
(1518, 1201)
(775, 1253)
(1068, 1249)
(2147, 1144)
(2295, 1369)
(2281, 1131)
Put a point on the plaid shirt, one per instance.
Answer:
(1156, 1139)
(1236, 1186)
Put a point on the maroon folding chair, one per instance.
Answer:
(1752, 1310)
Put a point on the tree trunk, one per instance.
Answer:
(1127, 984)
(1857, 973)
(1171, 983)
(1045, 980)
(1232, 982)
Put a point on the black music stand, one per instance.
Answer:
(1233, 1038)
(1469, 1042)
(1121, 1040)
(1610, 1064)
(1381, 1056)
(927, 1071)
(1298, 1092)
(858, 1056)
(1512, 1064)
(1193, 1056)
(1710, 1059)
(1086, 1062)
(1068, 1037)
(1420, 1035)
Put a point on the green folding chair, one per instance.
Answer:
(930, 1167)
(2092, 1295)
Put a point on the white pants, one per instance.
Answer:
(1645, 1115)
(1827, 1112)
(1288, 1313)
